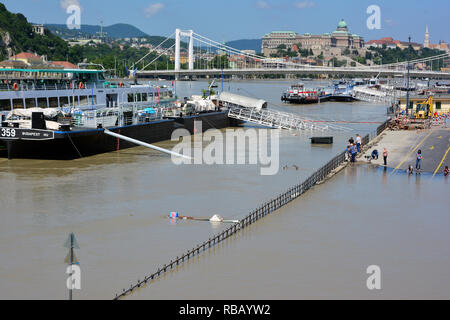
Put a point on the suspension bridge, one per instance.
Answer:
(202, 61)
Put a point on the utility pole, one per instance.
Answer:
(407, 79)
(71, 243)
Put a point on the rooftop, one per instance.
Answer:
(25, 55)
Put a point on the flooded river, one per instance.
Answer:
(319, 246)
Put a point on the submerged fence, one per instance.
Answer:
(257, 214)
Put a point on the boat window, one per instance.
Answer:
(30, 102)
(150, 96)
(92, 100)
(5, 105)
(74, 101)
(64, 101)
(84, 101)
(138, 97)
(53, 102)
(144, 97)
(42, 103)
(130, 97)
(438, 105)
(18, 104)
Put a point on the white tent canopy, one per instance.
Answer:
(49, 113)
(243, 101)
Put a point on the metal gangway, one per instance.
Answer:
(280, 120)
(376, 96)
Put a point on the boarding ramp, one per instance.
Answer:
(376, 96)
(254, 111)
(235, 100)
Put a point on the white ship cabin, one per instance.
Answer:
(69, 89)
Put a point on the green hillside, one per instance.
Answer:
(115, 31)
(16, 35)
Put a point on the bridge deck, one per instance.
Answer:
(300, 70)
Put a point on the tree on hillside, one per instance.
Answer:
(24, 39)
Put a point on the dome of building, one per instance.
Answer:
(342, 24)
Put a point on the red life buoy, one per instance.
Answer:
(71, 85)
(81, 85)
(121, 84)
(15, 86)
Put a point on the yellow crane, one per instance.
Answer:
(424, 110)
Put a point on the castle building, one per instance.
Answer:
(333, 43)
(39, 29)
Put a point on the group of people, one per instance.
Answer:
(374, 156)
(353, 148)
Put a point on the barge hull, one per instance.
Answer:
(76, 144)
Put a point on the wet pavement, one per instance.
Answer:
(403, 146)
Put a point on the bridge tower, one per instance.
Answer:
(178, 34)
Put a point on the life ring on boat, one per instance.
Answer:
(81, 85)
(121, 84)
(71, 85)
(15, 86)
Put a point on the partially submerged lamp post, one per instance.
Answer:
(71, 243)
(407, 79)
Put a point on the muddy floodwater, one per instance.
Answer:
(319, 246)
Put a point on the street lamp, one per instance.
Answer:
(407, 79)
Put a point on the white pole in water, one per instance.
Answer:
(177, 50)
(147, 145)
(191, 50)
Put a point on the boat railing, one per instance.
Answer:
(106, 117)
(76, 85)
(44, 87)
(124, 115)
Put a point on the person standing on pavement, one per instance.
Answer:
(419, 160)
(358, 143)
(385, 156)
(353, 152)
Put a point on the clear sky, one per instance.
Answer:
(250, 19)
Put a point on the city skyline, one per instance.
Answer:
(397, 20)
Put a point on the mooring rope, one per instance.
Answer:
(68, 135)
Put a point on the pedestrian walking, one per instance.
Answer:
(385, 156)
(419, 160)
